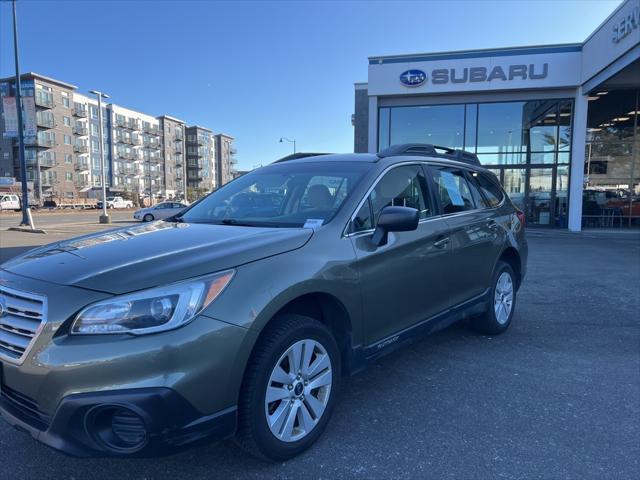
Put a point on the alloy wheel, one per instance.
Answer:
(298, 390)
(503, 298)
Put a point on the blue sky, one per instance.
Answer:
(262, 70)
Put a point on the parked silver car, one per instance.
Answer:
(160, 211)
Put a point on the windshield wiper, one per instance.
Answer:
(237, 223)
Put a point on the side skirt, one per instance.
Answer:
(362, 356)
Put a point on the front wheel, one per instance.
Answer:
(502, 302)
(289, 389)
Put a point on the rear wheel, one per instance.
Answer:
(147, 218)
(289, 389)
(502, 302)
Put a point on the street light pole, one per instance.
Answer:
(104, 218)
(290, 141)
(26, 211)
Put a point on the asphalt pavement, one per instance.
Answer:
(557, 396)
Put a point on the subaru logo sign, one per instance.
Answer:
(413, 78)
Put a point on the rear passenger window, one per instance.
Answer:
(453, 190)
(490, 189)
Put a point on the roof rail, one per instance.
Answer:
(295, 156)
(428, 150)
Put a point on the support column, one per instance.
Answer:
(578, 142)
(373, 125)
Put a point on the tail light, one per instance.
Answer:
(521, 217)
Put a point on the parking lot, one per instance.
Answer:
(557, 396)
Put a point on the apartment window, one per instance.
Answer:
(94, 111)
(95, 146)
(94, 130)
(68, 177)
(67, 158)
(67, 139)
(66, 121)
(65, 99)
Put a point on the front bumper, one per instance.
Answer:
(170, 421)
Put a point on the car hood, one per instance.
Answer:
(133, 258)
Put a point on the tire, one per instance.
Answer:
(254, 433)
(147, 218)
(497, 318)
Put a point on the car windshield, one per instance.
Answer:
(280, 195)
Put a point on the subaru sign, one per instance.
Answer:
(413, 78)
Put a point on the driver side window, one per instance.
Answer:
(400, 187)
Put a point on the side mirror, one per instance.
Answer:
(394, 219)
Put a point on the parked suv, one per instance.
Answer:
(241, 315)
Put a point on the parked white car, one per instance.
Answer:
(159, 212)
(9, 202)
(116, 202)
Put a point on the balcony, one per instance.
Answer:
(43, 162)
(80, 130)
(154, 144)
(152, 129)
(79, 148)
(123, 154)
(80, 112)
(44, 100)
(178, 149)
(83, 183)
(42, 142)
(233, 151)
(128, 123)
(178, 136)
(45, 122)
(82, 166)
(47, 181)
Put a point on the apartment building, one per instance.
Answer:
(145, 156)
(225, 159)
(201, 161)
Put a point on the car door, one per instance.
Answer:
(404, 281)
(474, 232)
(163, 210)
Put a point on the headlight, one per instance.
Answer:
(154, 310)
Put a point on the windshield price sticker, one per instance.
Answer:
(452, 188)
(314, 223)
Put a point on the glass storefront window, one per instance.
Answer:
(611, 195)
(437, 124)
(507, 158)
(564, 130)
(500, 127)
(527, 144)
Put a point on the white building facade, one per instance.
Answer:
(557, 124)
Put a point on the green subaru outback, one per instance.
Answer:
(240, 316)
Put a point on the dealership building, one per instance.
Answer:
(558, 124)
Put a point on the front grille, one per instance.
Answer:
(24, 406)
(21, 317)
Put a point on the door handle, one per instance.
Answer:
(443, 242)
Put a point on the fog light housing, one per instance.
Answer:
(118, 429)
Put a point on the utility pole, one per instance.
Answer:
(104, 218)
(27, 220)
